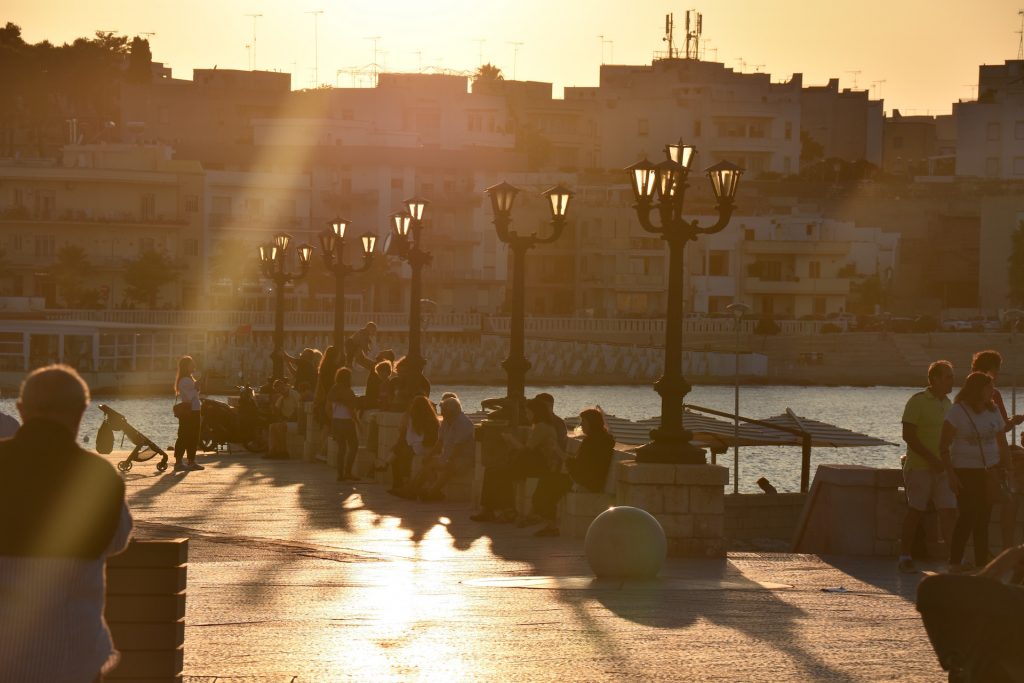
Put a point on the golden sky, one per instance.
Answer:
(926, 51)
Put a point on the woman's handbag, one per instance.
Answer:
(182, 410)
(997, 490)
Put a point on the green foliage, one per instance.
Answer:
(69, 273)
(44, 84)
(810, 149)
(147, 275)
(1016, 269)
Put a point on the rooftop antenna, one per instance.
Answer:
(254, 17)
(515, 57)
(611, 50)
(480, 50)
(1020, 32)
(875, 86)
(855, 72)
(758, 67)
(374, 65)
(316, 45)
(248, 51)
(601, 39)
(419, 61)
(670, 34)
(974, 87)
(743, 63)
(694, 28)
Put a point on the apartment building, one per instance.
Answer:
(990, 130)
(113, 202)
(846, 123)
(744, 118)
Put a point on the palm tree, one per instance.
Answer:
(486, 78)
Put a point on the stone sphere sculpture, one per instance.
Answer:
(625, 542)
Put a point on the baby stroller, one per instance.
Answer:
(144, 450)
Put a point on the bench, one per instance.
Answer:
(145, 609)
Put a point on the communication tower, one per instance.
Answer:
(694, 28)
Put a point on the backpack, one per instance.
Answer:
(105, 439)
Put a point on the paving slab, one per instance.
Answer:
(294, 577)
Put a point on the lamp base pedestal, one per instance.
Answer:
(671, 450)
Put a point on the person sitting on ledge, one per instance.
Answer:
(974, 620)
(62, 514)
(287, 408)
(453, 452)
(588, 469)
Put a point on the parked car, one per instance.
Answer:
(956, 326)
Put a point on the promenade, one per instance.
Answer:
(294, 577)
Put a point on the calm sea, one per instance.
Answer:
(873, 410)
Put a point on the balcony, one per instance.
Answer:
(121, 218)
(822, 286)
(815, 247)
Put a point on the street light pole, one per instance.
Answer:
(516, 364)
(661, 188)
(272, 263)
(332, 243)
(738, 310)
(406, 243)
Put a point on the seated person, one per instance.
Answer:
(974, 620)
(285, 419)
(454, 452)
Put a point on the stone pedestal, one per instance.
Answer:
(311, 445)
(490, 443)
(688, 501)
(388, 433)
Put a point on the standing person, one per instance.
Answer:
(341, 402)
(588, 469)
(973, 446)
(186, 393)
(925, 476)
(62, 514)
(357, 346)
(373, 397)
(303, 367)
(405, 384)
(990, 363)
(326, 371)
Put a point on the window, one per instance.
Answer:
(148, 207)
(789, 130)
(397, 183)
(1018, 166)
(718, 304)
(222, 206)
(787, 165)
(347, 115)
(748, 234)
(718, 263)
(757, 129)
(191, 247)
(145, 245)
(897, 142)
(254, 207)
(992, 131)
(769, 270)
(44, 245)
(46, 204)
(820, 305)
(643, 127)
(696, 129)
(191, 203)
(992, 167)
(814, 269)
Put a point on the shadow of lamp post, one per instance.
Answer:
(660, 188)
(405, 242)
(272, 261)
(332, 249)
(516, 365)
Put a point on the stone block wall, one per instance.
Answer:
(762, 517)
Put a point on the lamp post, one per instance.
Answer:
(661, 189)
(738, 310)
(516, 365)
(405, 241)
(272, 262)
(332, 245)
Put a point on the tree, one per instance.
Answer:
(69, 273)
(486, 79)
(147, 275)
(140, 61)
(810, 149)
(1016, 269)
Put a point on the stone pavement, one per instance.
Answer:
(293, 577)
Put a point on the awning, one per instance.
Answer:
(823, 433)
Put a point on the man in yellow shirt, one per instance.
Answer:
(924, 475)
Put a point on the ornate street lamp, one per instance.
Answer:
(660, 188)
(405, 242)
(332, 250)
(272, 264)
(738, 310)
(516, 365)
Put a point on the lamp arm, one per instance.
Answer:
(501, 226)
(724, 215)
(559, 227)
(367, 262)
(643, 214)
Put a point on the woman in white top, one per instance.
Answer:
(341, 402)
(186, 391)
(972, 446)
